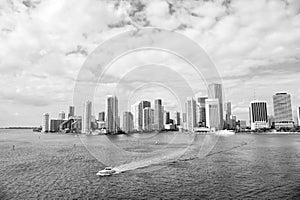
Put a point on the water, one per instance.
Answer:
(59, 166)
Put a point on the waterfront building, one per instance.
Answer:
(112, 117)
(215, 92)
(191, 120)
(212, 111)
(283, 110)
(177, 118)
(101, 116)
(147, 124)
(62, 115)
(71, 111)
(45, 124)
(158, 115)
(135, 113)
(142, 105)
(152, 118)
(87, 117)
(127, 122)
(201, 116)
(228, 119)
(258, 115)
(54, 124)
(167, 117)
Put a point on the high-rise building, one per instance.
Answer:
(135, 113)
(190, 114)
(177, 118)
(112, 117)
(62, 115)
(152, 118)
(158, 115)
(201, 116)
(54, 124)
(258, 115)
(283, 110)
(215, 92)
(127, 122)
(142, 105)
(228, 119)
(45, 124)
(147, 124)
(101, 116)
(87, 117)
(212, 111)
(167, 117)
(71, 111)
(298, 115)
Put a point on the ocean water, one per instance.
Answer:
(158, 166)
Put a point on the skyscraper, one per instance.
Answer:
(228, 118)
(45, 124)
(283, 110)
(167, 117)
(298, 115)
(212, 111)
(258, 115)
(71, 111)
(142, 105)
(127, 122)
(101, 116)
(158, 114)
(201, 116)
(177, 118)
(135, 113)
(215, 92)
(62, 115)
(112, 117)
(87, 117)
(147, 126)
(190, 114)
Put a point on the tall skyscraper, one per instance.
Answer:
(215, 92)
(71, 111)
(87, 117)
(142, 105)
(112, 117)
(258, 115)
(62, 115)
(147, 124)
(201, 116)
(158, 114)
(228, 117)
(167, 117)
(212, 111)
(127, 122)
(135, 113)
(190, 114)
(177, 118)
(45, 124)
(101, 116)
(283, 110)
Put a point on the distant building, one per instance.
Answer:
(177, 118)
(54, 124)
(135, 113)
(87, 117)
(45, 124)
(283, 110)
(127, 122)
(112, 117)
(271, 121)
(258, 115)
(62, 115)
(298, 115)
(201, 116)
(215, 92)
(142, 105)
(243, 124)
(228, 119)
(101, 116)
(152, 118)
(71, 111)
(167, 117)
(147, 122)
(212, 109)
(158, 115)
(191, 121)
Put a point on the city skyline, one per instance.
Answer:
(257, 57)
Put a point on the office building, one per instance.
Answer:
(212, 111)
(62, 115)
(127, 122)
(87, 117)
(215, 92)
(147, 122)
(201, 116)
(142, 105)
(101, 116)
(228, 118)
(55, 124)
(191, 120)
(45, 124)
(112, 117)
(167, 117)
(258, 115)
(135, 113)
(71, 111)
(158, 115)
(283, 110)
(177, 118)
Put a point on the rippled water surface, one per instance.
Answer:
(60, 166)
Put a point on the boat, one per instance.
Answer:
(225, 132)
(107, 171)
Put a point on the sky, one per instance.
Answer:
(254, 45)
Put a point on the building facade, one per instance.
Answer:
(127, 122)
(87, 117)
(212, 109)
(158, 115)
(112, 117)
(201, 116)
(142, 105)
(258, 115)
(191, 121)
(45, 124)
(215, 91)
(101, 116)
(62, 115)
(71, 111)
(283, 110)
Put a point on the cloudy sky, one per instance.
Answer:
(255, 46)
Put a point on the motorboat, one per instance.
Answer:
(225, 132)
(107, 171)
